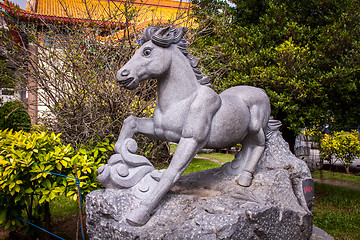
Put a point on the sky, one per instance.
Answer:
(21, 3)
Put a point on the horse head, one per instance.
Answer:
(153, 58)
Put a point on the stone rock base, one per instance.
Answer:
(319, 234)
(210, 205)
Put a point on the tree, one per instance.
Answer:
(10, 53)
(304, 54)
(342, 146)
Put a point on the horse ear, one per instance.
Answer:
(148, 33)
(163, 37)
(179, 34)
(164, 31)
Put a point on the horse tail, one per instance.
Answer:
(272, 126)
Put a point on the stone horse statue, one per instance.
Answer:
(189, 113)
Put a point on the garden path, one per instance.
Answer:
(338, 183)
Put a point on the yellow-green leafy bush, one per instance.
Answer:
(343, 146)
(25, 184)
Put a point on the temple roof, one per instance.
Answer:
(113, 14)
(108, 10)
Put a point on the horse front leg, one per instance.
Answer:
(125, 147)
(185, 152)
(194, 136)
(133, 125)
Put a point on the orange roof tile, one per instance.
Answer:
(108, 10)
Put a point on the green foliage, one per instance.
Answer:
(14, 116)
(315, 134)
(89, 157)
(26, 185)
(337, 211)
(341, 146)
(6, 75)
(304, 54)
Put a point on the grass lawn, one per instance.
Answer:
(224, 158)
(337, 176)
(197, 165)
(63, 207)
(65, 218)
(337, 211)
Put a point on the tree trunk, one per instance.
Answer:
(12, 235)
(289, 137)
(47, 220)
(347, 168)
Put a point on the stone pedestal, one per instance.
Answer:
(210, 205)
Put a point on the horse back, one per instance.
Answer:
(231, 122)
(250, 95)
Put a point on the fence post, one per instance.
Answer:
(80, 203)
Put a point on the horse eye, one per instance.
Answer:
(147, 52)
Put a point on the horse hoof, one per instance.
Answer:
(138, 217)
(245, 179)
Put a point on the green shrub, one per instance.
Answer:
(13, 115)
(315, 134)
(25, 189)
(342, 145)
(89, 157)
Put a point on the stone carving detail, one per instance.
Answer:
(188, 112)
(124, 169)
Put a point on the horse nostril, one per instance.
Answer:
(125, 72)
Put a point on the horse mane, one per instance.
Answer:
(164, 37)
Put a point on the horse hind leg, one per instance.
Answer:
(253, 147)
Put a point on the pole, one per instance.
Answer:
(79, 198)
